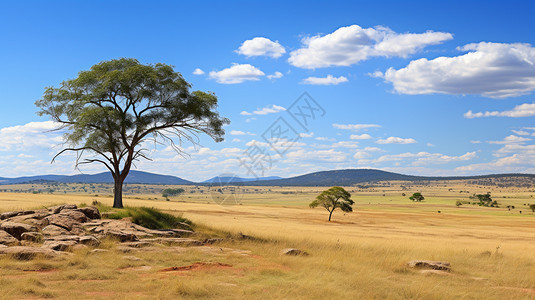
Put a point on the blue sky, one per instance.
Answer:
(415, 87)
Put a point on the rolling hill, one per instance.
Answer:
(346, 177)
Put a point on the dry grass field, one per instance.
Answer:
(359, 255)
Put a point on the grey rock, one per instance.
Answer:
(26, 253)
(35, 237)
(91, 212)
(7, 239)
(429, 264)
(294, 252)
(16, 229)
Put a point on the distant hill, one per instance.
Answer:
(105, 177)
(350, 177)
(234, 179)
(346, 177)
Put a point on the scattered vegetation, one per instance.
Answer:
(485, 200)
(166, 193)
(150, 217)
(418, 197)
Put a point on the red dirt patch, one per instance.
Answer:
(198, 266)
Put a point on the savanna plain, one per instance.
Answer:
(358, 255)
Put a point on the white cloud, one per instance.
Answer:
(306, 134)
(345, 144)
(364, 136)
(475, 142)
(236, 140)
(396, 140)
(275, 75)
(425, 158)
(520, 132)
(522, 110)
(264, 111)
(355, 127)
(512, 139)
(33, 134)
(260, 46)
(198, 72)
(323, 138)
(238, 132)
(329, 80)
(490, 69)
(237, 73)
(349, 45)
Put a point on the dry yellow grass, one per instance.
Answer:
(358, 255)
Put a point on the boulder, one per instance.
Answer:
(16, 229)
(89, 240)
(8, 215)
(52, 230)
(67, 218)
(7, 239)
(35, 237)
(57, 209)
(91, 212)
(294, 252)
(429, 264)
(26, 253)
(59, 245)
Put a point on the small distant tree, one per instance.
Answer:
(458, 203)
(333, 198)
(417, 197)
(532, 207)
(172, 192)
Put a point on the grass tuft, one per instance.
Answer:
(149, 217)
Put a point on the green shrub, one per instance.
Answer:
(150, 217)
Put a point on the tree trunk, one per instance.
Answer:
(118, 193)
(330, 214)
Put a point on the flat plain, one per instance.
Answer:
(362, 254)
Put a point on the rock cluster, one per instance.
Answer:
(428, 264)
(51, 231)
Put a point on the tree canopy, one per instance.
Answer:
(333, 198)
(417, 197)
(109, 111)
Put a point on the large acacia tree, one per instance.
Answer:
(109, 111)
(333, 198)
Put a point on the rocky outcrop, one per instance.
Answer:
(429, 264)
(48, 232)
(294, 252)
(16, 229)
(7, 239)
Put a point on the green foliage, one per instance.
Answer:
(485, 200)
(333, 198)
(417, 197)
(149, 217)
(458, 203)
(111, 109)
(532, 207)
(172, 192)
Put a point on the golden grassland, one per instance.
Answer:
(358, 255)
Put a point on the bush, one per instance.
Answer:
(150, 218)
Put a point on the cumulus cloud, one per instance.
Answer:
(355, 127)
(396, 140)
(261, 46)
(237, 73)
(33, 134)
(349, 45)
(492, 70)
(520, 132)
(522, 110)
(275, 75)
(512, 139)
(329, 80)
(239, 132)
(198, 72)
(425, 158)
(364, 136)
(306, 134)
(264, 111)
